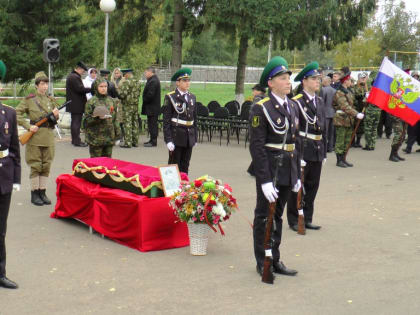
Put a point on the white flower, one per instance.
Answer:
(218, 209)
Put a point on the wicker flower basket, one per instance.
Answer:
(199, 236)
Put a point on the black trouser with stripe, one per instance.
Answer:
(312, 177)
(4, 212)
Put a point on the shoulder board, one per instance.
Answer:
(171, 93)
(30, 96)
(263, 101)
(8, 106)
(297, 97)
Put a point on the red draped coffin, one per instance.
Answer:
(133, 220)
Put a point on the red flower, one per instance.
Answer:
(227, 187)
(198, 183)
(212, 202)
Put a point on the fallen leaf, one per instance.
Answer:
(349, 301)
(112, 290)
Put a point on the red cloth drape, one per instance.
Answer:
(133, 220)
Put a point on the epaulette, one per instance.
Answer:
(171, 93)
(297, 97)
(263, 101)
(30, 96)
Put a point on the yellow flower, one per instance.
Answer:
(190, 209)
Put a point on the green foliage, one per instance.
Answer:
(25, 24)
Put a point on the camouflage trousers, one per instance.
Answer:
(131, 128)
(39, 159)
(99, 151)
(399, 131)
(343, 137)
(373, 114)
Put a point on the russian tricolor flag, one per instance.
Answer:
(396, 92)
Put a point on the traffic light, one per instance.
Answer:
(51, 50)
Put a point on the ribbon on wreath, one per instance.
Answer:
(207, 220)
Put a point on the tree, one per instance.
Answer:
(255, 19)
(398, 32)
(25, 24)
(363, 51)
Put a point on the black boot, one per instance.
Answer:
(345, 162)
(407, 150)
(358, 145)
(44, 197)
(392, 156)
(396, 154)
(35, 198)
(340, 162)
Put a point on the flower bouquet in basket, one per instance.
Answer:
(203, 204)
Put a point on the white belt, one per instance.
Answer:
(287, 147)
(310, 135)
(183, 122)
(4, 153)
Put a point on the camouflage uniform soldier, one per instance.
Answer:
(344, 117)
(40, 149)
(399, 128)
(100, 122)
(129, 92)
(360, 91)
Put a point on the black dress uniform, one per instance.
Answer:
(313, 147)
(273, 134)
(180, 127)
(10, 172)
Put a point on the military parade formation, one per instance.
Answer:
(290, 135)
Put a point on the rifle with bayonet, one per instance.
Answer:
(47, 118)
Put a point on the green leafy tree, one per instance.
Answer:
(25, 24)
(398, 32)
(293, 23)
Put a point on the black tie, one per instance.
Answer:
(286, 107)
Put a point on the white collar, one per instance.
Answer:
(182, 93)
(309, 96)
(280, 100)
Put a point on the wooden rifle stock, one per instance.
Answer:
(353, 135)
(267, 276)
(23, 139)
(301, 218)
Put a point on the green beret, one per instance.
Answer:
(276, 66)
(181, 74)
(2, 70)
(311, 70)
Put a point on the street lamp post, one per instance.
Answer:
(107, 6)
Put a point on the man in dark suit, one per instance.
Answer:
(312, 143)
(327, 94)
(76, 92)
(180, 121)
(10, 172)
(151, 104)
(273, 132)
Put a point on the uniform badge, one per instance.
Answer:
(6, 127)
(279, 121)
(255, 121)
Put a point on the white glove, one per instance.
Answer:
(270, 192)
(171, 146)
(16, 187)
(360, 116)
(117, 142)
(324, 161)
(297, 186)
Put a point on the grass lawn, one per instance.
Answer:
(205, 93)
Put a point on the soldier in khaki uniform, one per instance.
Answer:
(129, 93)
(40, 148)
(345, 113)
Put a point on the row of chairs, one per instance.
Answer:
(213, 119)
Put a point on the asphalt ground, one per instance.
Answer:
(364, 260)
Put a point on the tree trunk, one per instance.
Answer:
(177, 35)
(240, 70)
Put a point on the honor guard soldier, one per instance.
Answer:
(40, 149)
(129, 93)
(9, 174)
(273, 132)
(312, 144)
(345, 113)
(180, 120)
